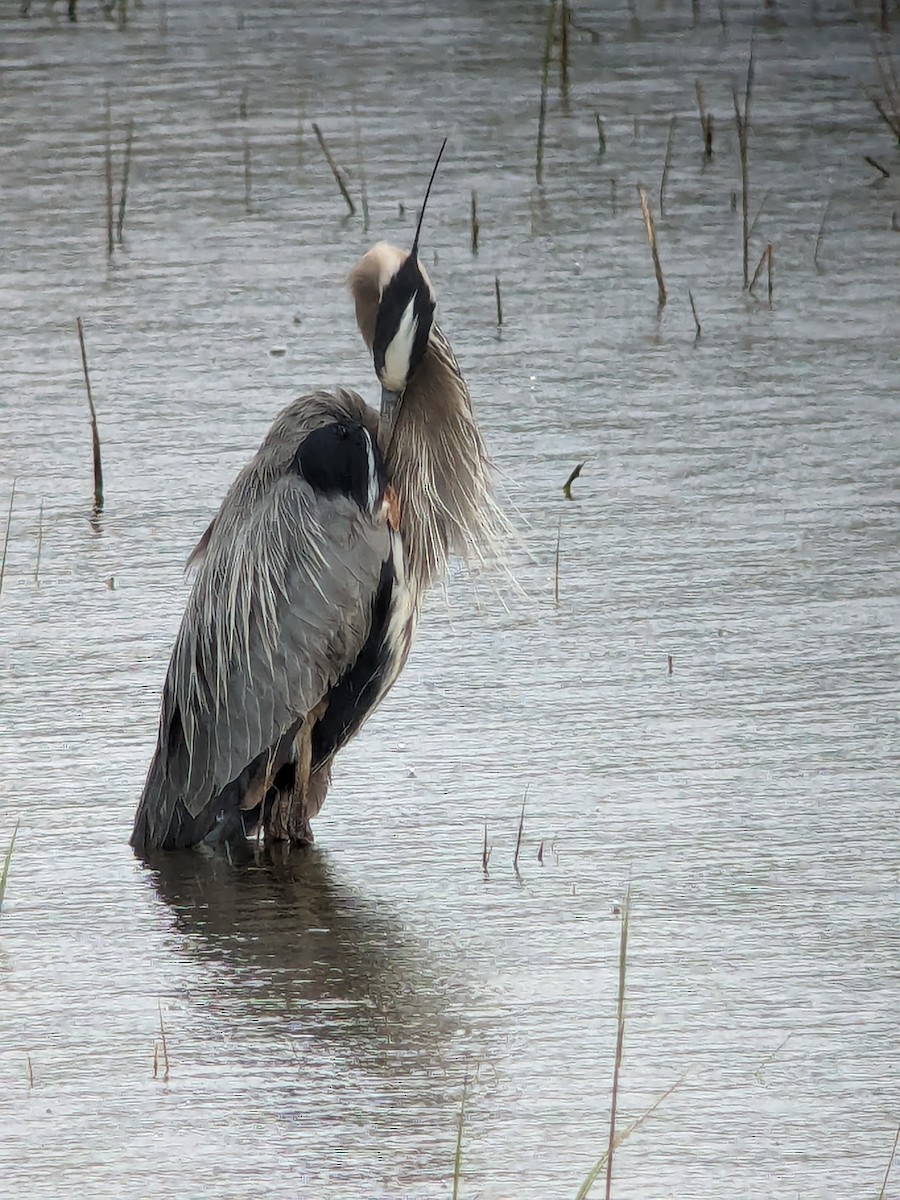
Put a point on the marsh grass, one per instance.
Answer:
(335, 169)
(7, 861)
(654, 247)
(95, 435)
(742, 121)
(9, 513)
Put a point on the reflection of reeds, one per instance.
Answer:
(4, 874)
(335, 169)
(545, 83)
(742, 120)
(654, 248)
(12, 497)
(95, 436)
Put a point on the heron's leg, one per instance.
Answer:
(289, 816)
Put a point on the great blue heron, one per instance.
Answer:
(311, 576)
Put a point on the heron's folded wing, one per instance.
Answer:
(280, 609)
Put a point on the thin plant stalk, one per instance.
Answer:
(163, 1045)
(4, 874)
(40, 543)
(567, 486)
(95, 436)
(565, 17)
(821, 233)
(485, 852)
(883, 1193)
(545, 81)
(699, 327)
(457, 1157)
(110, 228)
(556, 564)
(519, 834)
(123, 195)
(335, 169)
(742, 120)
(30, 1070)
(248, 175)
(706, 125)
(498, 299)
(620, 1039)
(666, 167)
(654, 248)
(473, 223)
(759, 213)
(360, 166)
(12, 497)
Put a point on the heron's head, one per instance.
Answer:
(394, 310)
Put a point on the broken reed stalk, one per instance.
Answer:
(885, 173)
(666, 166)
(545, 80)
(110, 228)
(40, 543)
(601, 136)
(883, 1193)
(620, 1038)
(95, 436)
(556, 564)
(248, 176)
(163, 1045)
(770, 255)
(706, 124)
(519, 834)
(498, 299)
(759, 213)
(335, 169)
(12, 497)
(696, 318)
(457, 1157)
(30, 1070)
(473, 224)
(651, 238)
(765, 260)
(742, 120)
(567, 486)
(123, 195)
(4, 874)
(485, 852)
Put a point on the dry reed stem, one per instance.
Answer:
(696, 318)
(30, 1070)
(110, 228)
(885, 173)
(95, 436)
(742, 120)
(485, 852)
(335, 169)
(670, 663)
(126, 168)
(12, 497)
(164, 1046)
(667, 163)
(651, 238)
(4, 874)
(40, 543)
(620, 1038)
(567, 486)
(556, 564)
(565, 18)
(519, 834)
(706, 127)
(248, 175)
(601, 136)
(770, 256)
(457, 1157)
(498, 299)
(473, 223)
(883, 1193)
(759, 213)
(545, 79)
(757, 272)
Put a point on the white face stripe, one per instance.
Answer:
(372, 493)
(399, 352)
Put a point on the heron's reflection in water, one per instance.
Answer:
(298, 954)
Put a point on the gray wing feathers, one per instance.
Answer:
(280, 608)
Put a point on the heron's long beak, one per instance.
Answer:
(390, 406)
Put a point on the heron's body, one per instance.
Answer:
(308, 589)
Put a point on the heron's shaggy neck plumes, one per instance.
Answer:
(439, 468)
(436, 459)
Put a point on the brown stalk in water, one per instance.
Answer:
(473, 223)
(651, 238)
(556, 564)
(706, 121)
(567, 486)
(742, 120)
(95, 436)
(519, 834)
(123, 195)
(12, 497)
(666, 166)
(498, 299)
(110, 228)
(620, 1038)
(545, 81)
(883, 1193)
(40, 543)
(335, 169)
(696, 318)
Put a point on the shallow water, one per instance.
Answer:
(737, 511)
